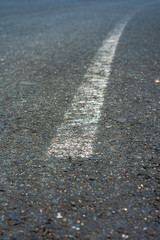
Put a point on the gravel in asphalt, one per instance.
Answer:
(113, 194)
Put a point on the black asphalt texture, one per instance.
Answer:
(45, 48)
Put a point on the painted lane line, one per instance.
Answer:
(76, 135)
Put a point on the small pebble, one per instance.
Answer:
(121, 120)
(13, 215)
(59, 215)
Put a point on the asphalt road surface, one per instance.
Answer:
(79, 119)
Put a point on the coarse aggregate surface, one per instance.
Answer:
(45, 49)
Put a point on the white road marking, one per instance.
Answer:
(76, 135)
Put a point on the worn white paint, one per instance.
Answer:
(76, 135)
